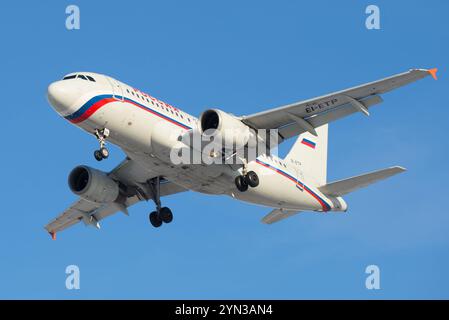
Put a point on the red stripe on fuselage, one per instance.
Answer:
(97, 105)
(89, 112)
(274, 169)
(323, 205)
(321, 202)
(159, 115)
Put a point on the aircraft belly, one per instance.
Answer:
(205, 179)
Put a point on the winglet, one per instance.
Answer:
(433, 73)
(53, 235)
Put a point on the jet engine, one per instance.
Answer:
(232, 132)
(93, 185)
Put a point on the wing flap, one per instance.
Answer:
(71, 216)
(292, 130)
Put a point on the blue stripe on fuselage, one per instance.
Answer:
(98, 98)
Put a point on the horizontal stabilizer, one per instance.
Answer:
(278, 215)
(342, 187)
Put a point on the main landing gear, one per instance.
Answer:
(161, 215)
(103, 152)
(249, 179)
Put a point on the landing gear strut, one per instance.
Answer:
(103, 152)
(161, 215)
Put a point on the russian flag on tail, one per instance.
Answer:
(308, 143)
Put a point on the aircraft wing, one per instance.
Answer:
(133, 178)
(304, 116)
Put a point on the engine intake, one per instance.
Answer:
(232, 132)
(209, 120)
(93, 185)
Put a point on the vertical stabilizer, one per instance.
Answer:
(311, 152)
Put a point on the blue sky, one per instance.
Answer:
(242, 57)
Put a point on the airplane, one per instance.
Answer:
(147, 129)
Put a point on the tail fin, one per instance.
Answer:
(311, 152)
(342, 187)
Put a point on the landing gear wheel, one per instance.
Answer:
(98, 156)
(155, 219)
(166, 215)
(104, 153)
(252, 179)
(162, 214)
(101, 135)
(241, 183)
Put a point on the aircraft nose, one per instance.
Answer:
(62, 97)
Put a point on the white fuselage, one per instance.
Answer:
(146, 128)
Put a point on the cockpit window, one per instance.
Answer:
(79, 76)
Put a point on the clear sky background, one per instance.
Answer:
(243, 57)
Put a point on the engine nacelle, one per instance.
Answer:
(93, 185)
(229, 129)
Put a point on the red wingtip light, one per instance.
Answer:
(53, 235)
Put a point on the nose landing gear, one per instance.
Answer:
(103, 152)
(161, 215)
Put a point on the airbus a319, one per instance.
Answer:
(148, 130)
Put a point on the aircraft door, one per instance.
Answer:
(117, 89)
(299, 179)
